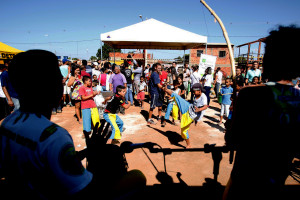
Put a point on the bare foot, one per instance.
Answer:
(188, 146)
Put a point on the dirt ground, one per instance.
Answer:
(196, 168)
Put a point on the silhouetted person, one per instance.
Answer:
(265, 123)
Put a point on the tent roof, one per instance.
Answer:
(152, 34)
(8, 49)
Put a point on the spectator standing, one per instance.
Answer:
(96, 69)
(103, 78)
(186, 78)
(207, 82)
(89, 109)
(141, 92)
(117, 78)
(137, 71)
(218, 81)
(83, 69)
(239, 78)
(226, 93)
(254, 71)
(87, 67)
(65, 72)
(11, 95)
(155, 90)
(75, 83)
(128, 74)
(170, 77)
(181, 86)
(179, 69)
(195, 78)
(4, 108)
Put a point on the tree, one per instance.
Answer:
(106, 49)
(178, 59)
(93, 58)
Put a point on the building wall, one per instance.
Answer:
(223, 62)
(120, 56)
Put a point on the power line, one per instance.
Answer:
(88, 40)
(51, 42)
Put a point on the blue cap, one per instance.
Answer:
(65, 60)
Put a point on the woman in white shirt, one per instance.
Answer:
(195, 78)
(207, 82)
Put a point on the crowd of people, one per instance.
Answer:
(42, 154)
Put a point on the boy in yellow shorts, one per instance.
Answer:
(190, 112)
(110, 114)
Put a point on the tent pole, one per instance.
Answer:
(145, 52)
(183, 57)
(114, 56)
(101, 49)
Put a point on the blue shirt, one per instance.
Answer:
(226, 98)
(6, 82)
(251, 73)
(154, 80)
(64, 71)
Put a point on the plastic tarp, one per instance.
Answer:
(152, 34)
(8, 52)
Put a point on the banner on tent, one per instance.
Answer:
(205, 62)
(7, 55)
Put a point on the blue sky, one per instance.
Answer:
(73, 28)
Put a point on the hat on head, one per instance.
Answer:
(65, 60)
(198, 86)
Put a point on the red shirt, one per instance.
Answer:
(102, 79)
(89, 103)
(84, 73)
(163, 77)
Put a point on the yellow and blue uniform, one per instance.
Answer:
(188, 113)
(112, 118)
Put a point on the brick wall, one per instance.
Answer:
(213, 49)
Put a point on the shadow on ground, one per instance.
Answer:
(172, 136)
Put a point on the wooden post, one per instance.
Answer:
(258, 53)
(226, 37)
(248, 55)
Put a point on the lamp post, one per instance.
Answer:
(145, 50)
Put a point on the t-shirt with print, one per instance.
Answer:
(226, 98)
(163, 77)
(114, 104)
(89, 103)
(127, 73)
(198, 103)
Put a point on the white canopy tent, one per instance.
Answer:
(152, 34)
